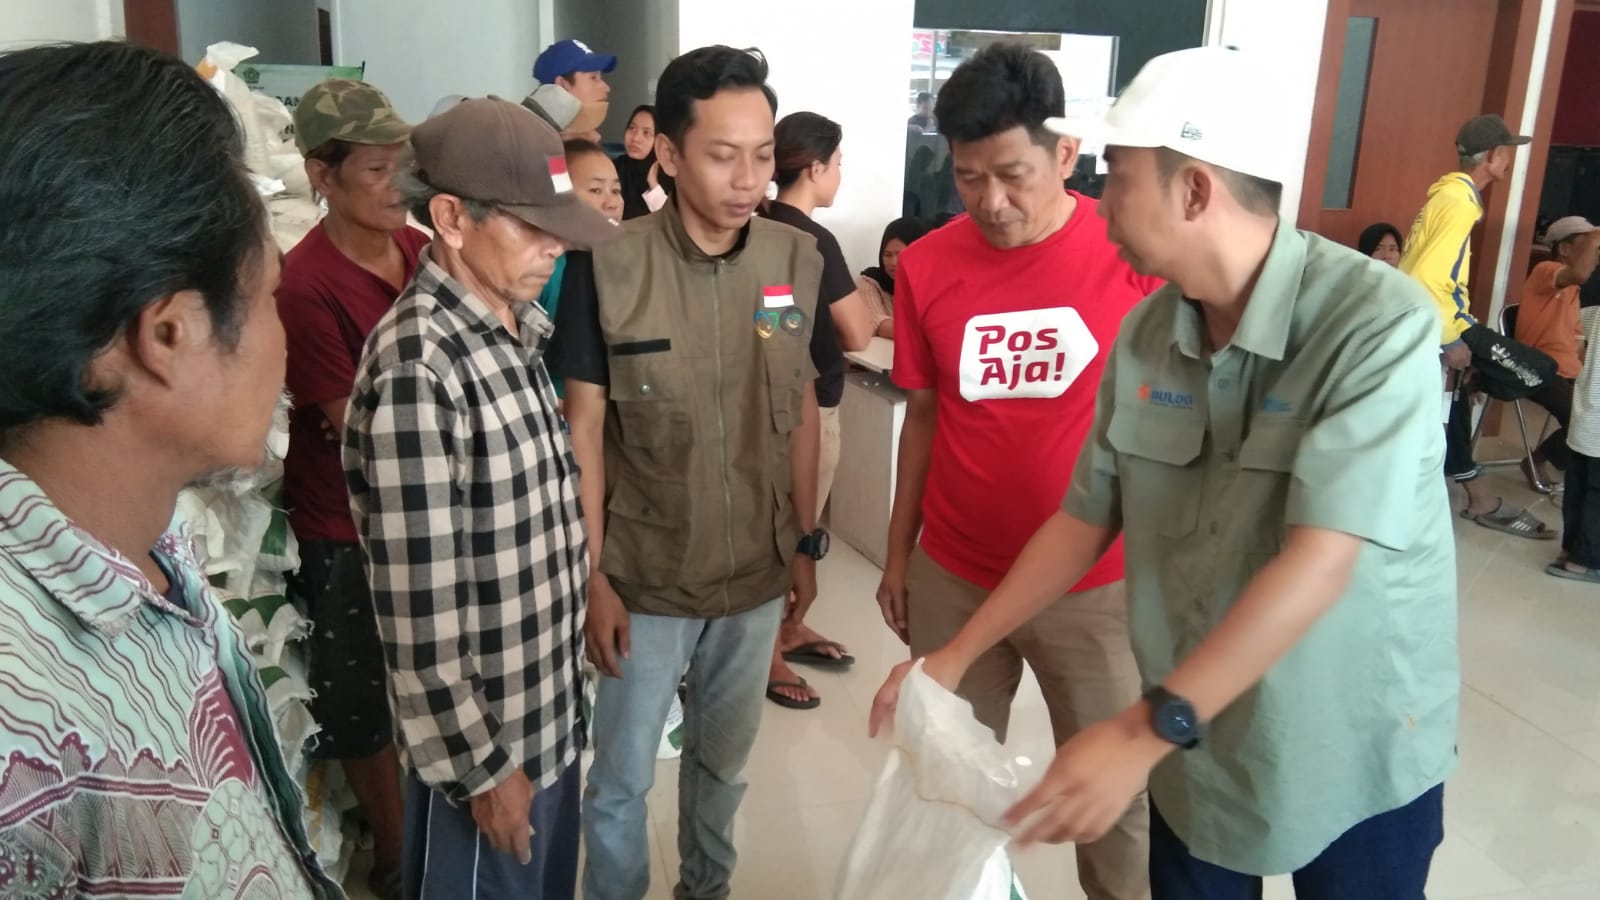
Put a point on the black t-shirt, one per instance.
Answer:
(837, 283)
(578, 348)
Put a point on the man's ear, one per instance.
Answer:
(667, 155)
(165, 331)
(321, 175)
(1199, 185)
(450, 219)
(1067, 156)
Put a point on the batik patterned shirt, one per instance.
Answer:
(137, 753)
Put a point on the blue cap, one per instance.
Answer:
(566, 57)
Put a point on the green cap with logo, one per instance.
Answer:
(343, 110)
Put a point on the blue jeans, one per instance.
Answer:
(727, 661)
(1384, 858)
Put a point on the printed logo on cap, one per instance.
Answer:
(1191, 132)
(558, 175)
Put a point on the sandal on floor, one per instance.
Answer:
(815, 654)
(1512, 520)
(789, 702)
(1561, 571)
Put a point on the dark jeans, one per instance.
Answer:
(1384, 858)
(446, 855)
(1458, 462)
(1556, 397)
(1580, 511)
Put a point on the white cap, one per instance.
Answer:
(1571, 226)
(1215, 104)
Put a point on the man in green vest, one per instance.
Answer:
(685, 346)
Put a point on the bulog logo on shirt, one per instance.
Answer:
(1038, 353)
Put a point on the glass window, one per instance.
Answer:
(1354, 73)
(1088, 65)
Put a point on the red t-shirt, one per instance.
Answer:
(328, 305)
(1014, 342)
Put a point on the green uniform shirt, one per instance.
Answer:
(1323, 411)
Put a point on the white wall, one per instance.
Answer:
(1289, 33)
(285, 31)
(644, 38)
(24, 22)
(418, 51)
(584, 20)
(847, 60)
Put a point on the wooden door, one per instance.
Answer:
(1426, 73)
(153, 23)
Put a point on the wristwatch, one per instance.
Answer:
(814, 545)
(1173, 718)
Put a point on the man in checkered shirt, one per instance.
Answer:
(465, 496)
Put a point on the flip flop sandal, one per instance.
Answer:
(789, 702)
(1522, 524)
(814, 654)
(1561, 571)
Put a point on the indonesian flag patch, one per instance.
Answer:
(558, 175)
(777, 297)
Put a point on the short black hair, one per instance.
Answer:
(923, 97)
(1257, 195)
(123, 181)
(1002, 86)
(1374, 234)
(579, 146)
(700, 75)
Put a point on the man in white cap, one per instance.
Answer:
(1266, 441)
(1547, 320)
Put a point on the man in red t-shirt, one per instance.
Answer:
(337, 283)
(1003, 323)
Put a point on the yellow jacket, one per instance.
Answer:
(1439, 250)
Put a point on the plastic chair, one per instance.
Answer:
(1508, 327)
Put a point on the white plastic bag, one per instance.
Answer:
(932, 829)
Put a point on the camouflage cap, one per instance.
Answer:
(344, 110)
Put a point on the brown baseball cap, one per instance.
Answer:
(1486, 133)
(495, 151)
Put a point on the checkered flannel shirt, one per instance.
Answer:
(465, 495)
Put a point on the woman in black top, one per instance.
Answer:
(806, 159)
(637, 167)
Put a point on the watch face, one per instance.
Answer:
(1177, 720)
(1181, 719)
(823, 543)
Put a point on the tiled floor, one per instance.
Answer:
(1523, 813)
